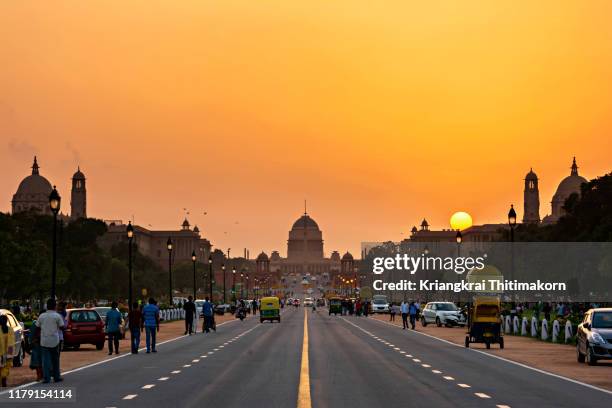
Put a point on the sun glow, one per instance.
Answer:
(460, 220)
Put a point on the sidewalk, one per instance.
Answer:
(558, 359)
(87, 354)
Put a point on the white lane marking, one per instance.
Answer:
(481, 395)
(464, 385)
(187, 365)
(402, 352)
(448, 377)
(148, 386)
(211, 352)
(503, 359)
(436, 371)
(216, 349)
(396, 348)
(26, 385)
(175, 372)
(130, 396)
(503, 406)
(426, 365)
(163, 378)
(195, 360)
(409, 355)
(221, 346)
(416, 360)
(203, 356)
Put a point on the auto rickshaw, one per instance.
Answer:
(335, 305)
(269, 309)
(484, 324)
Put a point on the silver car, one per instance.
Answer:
(594, 336)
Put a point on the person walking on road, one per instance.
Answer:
(393, 311)
(190, 311)
(50, 323)
(136, 326)
(7, 349)
(150, 316)
(209, 317)
(113, 325)
(413, 310)
(405, 310)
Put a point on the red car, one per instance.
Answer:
(84, 326)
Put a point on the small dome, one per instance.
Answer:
(78, 175)
(275, 256)
(34, 184)
(414, 229)
(347, 256)
(569, 185)
(531, 175)
(185, 225)
(196, 229)
(262, 256)
(305, 222)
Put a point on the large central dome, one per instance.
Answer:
(305, 222)
(32, 193)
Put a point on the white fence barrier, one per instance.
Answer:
(544, 329)
(568, 331)
(555, 331)
(524, 327)
(507, 325)
(515, 325)
(534, 327)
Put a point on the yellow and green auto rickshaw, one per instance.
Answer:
(485, 322)
(335, 305)
(269, 309)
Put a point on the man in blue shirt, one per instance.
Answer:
(209, 319)
(150, 315)
(404, 310)
(413, 311)
(113, 329)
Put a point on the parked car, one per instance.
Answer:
(442, 313)
(222, 309)
(380, 304)
(198, 305)
(102, 311)
(20, 342)
(308, 302)
(594, 336)
(84, 326)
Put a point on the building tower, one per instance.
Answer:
(531, 204)
(78, 198)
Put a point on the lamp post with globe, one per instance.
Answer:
(54, 203)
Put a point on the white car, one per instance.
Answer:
(380, 304)
(308, 302)
(442, 313)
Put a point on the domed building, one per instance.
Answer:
(568, 186)
(33, 193)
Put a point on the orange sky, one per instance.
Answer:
(379, 113)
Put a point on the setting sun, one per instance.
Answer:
(460, 220)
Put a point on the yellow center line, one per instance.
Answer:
(304, 388)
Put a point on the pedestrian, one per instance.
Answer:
(392, 312)
(190, 311)
(136, 326)
(366, 308)
(405, 310)
(209, 317)
(7, 349)
(35, 351)
(413, 310)
(113, 327)
(254, 305)
(61, 310)
(50, 323)
(150, 316)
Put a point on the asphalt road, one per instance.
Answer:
(353, 361)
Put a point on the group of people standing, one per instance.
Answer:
(408, 310)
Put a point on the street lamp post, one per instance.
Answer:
(223, 269)
(234, 283)
(512, 224)
(193, 260)
(169, 246)
(242, 284)
(459, 239)
(210, 276)
(54, 203)
(130, 236)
